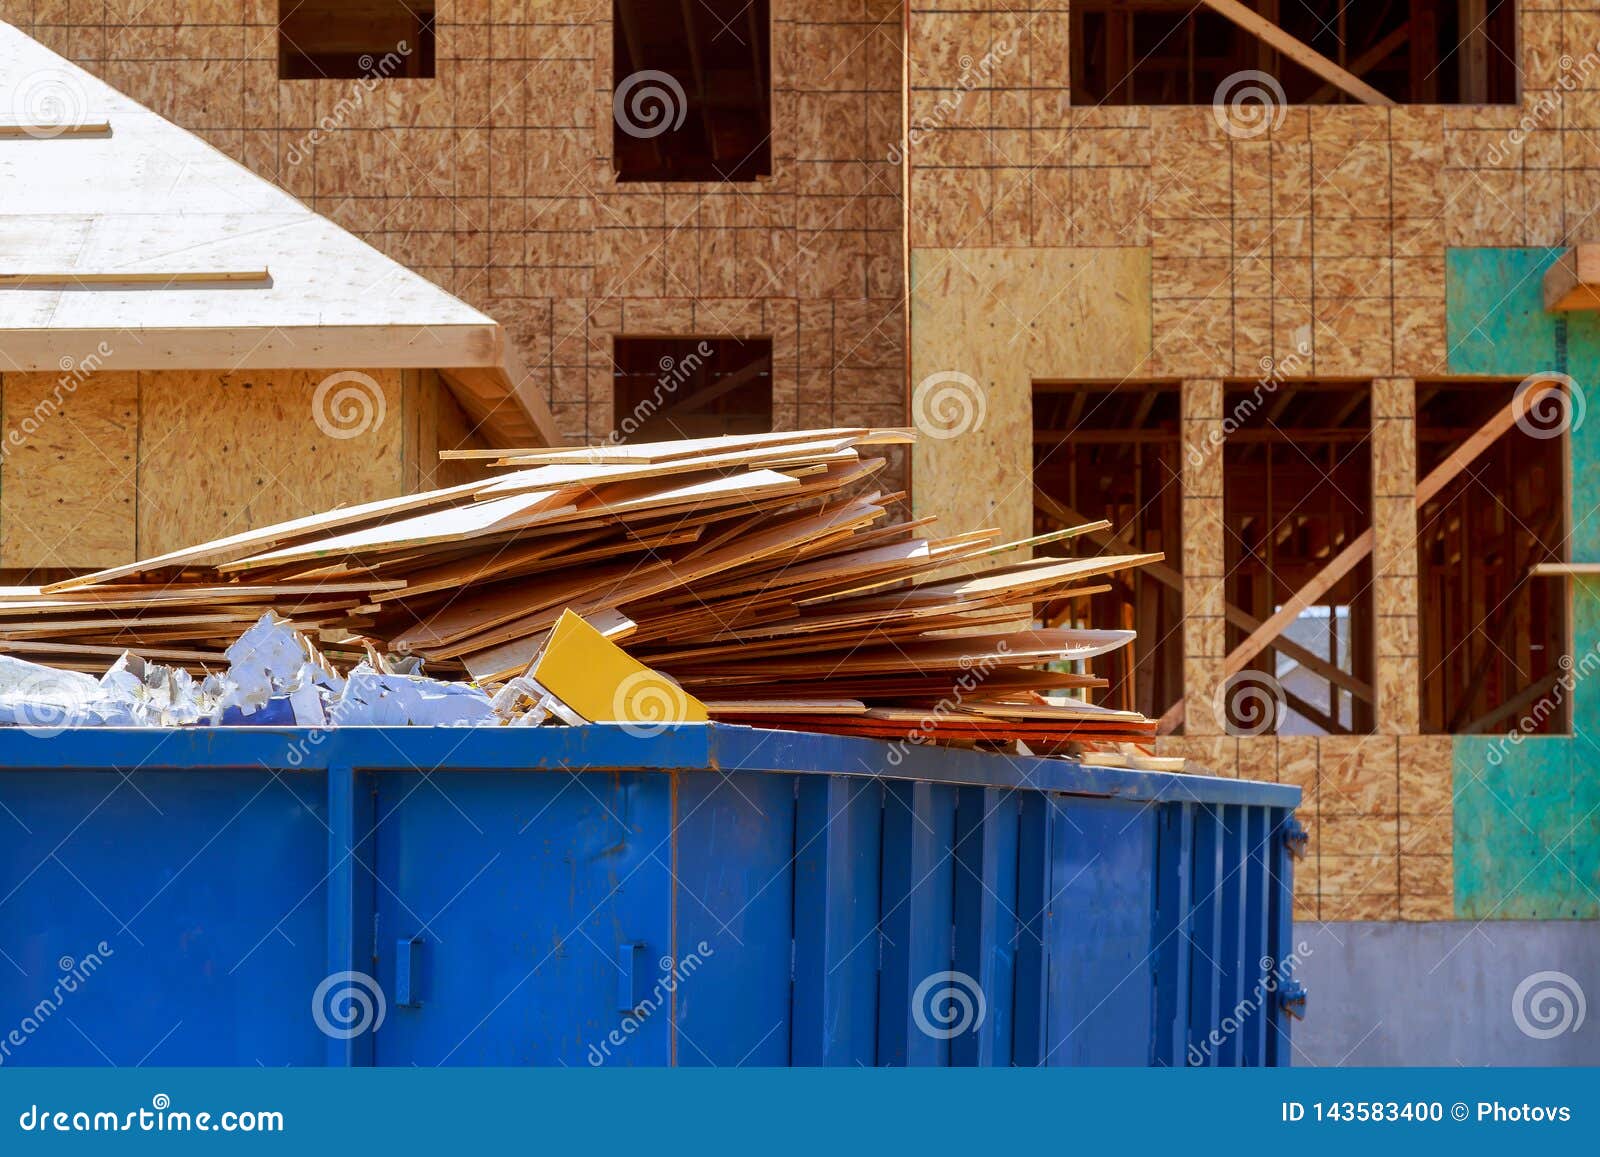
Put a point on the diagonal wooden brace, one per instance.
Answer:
(1297, 50)
(1525, 402)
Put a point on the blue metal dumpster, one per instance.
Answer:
(703, 895)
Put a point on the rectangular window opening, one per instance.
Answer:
(692, 90)
(342, 40)
(690, 387)
(1297, 486)
(1491, 635)
(1181, 52)
(1112, 451)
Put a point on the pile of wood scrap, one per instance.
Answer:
(763, 574)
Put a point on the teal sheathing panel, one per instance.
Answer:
(1527, 815)
(1525, 830)
(1496, 324)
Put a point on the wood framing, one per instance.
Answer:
(1345, 561)
(1573, 282)
(1297, 51)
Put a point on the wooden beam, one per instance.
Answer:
(698, 399)
(50, 132)
(1300, 707)
(1298, 51)
(251, 347)
(1347, 559)
(158, 278)
(526, 393)
(1564, 569)
(1512, 706)
(1573, 282)
(1368, 60)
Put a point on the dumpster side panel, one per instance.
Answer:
(919, 998)
(734, 905)
(1099, 932)
(493, 912)
(161, 917)
(986, 925)
(542, 904)
(838, 839)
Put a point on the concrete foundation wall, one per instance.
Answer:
(1450, 993)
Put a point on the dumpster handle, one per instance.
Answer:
(630, 976)
(407, 972)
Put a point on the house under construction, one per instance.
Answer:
(1304, 299)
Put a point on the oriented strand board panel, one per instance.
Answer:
(67, 494)
(221, 453)
(434, 421)
(985, 324)
(495, 182)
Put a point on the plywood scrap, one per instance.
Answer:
(761, 579)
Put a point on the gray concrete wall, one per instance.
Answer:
(1448, 993)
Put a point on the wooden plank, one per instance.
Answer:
(248, 541)
(159, 278)
(38, 131)
(1298, 51)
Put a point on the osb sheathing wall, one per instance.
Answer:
(495, 180)
(120, 466)
(1314, 243)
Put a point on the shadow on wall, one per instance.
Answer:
(1502, 992)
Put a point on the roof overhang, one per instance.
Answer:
(145, 248)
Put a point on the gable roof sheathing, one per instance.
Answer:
(157, 205)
